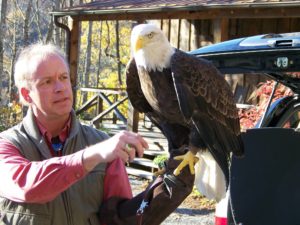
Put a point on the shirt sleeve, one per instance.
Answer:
(116, 182)
(36, 181)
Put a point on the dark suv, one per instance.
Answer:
(264, 184)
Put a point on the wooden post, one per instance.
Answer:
(133, 119)
(74, 43)
(99, 106)
(220, 30)
(114, 118)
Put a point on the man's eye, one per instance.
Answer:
(46, 82)
(64, 77)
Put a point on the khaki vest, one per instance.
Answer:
(79, 204)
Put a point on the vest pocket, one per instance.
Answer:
(10, 218)
(94, 219)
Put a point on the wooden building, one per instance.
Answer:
(189, 24)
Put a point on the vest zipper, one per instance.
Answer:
(68, 210)
(66, 198)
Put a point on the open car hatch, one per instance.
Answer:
(277, 56)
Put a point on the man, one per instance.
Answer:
(53, 169)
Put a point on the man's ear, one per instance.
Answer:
(25, 95)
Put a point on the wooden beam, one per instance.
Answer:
(74, 43)
(107, 91)
(258, 12)
(87, 105)
(113, 106)
(109, 109)
(178, 33)
(132, 118)
(220, 30)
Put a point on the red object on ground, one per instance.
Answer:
(220, 221)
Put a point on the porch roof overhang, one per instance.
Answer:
(176, 9)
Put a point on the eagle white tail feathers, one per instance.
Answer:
(209, 178)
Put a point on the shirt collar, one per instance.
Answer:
(62, 135)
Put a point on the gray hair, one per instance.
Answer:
(26, 60)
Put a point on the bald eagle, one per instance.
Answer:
(186, 97)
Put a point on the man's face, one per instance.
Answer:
(50, 92)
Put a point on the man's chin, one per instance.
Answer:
(63, 110)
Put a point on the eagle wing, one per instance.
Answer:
(136, 95)
(205, 99)
(134, 90)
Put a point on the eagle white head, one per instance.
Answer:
(150, 47)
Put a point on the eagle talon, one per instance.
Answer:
(159, 172)
(187, 159)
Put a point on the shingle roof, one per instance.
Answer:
(129, 4)
(105, 6)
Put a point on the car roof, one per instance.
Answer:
(254, 43)
(274, 55)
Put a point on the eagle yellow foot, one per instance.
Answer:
(187, 159)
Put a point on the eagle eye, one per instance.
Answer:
(150, 35)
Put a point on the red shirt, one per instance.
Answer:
(41, 181)
(47, 135)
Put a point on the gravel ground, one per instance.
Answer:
(183, 215)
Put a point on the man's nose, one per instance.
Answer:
(59, 86)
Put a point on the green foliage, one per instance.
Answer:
(160, 159)
(104, 61)
(195, 192)
(10, 116)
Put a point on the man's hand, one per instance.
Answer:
(124, 145)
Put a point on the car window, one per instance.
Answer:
(293, 121)
(252, 92)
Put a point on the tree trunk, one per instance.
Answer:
(11, 91)
(26, 40)
(118, 53)
(99, 55)
(50, 32)
(2, 36)
(57, 29)
(40, 25)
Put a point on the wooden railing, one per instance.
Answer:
(101, 97)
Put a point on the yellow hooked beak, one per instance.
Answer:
(139, 44)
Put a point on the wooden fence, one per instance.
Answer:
(99, 99)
